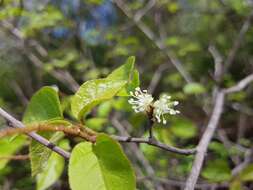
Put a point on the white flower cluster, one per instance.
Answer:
(142, 102)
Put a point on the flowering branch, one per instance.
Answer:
(84, 133)
(91, 137)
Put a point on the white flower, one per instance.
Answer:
(163, 106)
(141, 100)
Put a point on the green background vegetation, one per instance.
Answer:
(63, 44)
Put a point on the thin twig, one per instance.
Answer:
(218, 69)
(240, 85)
(232, 53)
(155, 143)
(243, 165)
(140, 13)
(156, 77)
(181, 183)
(17, 124)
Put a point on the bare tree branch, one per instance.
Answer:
(143, 11)
(204, 142)
(240, 85)
(218, 69)
(247, 160)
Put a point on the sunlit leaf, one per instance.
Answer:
(217, 171)
(247, 173)
(194, 88)
(96, 123)
(43, 106)
(8, 149)
(128, 73)
(92, 93)
(183, 128)
(100, 166)
(236, 185)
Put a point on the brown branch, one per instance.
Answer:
(74, 131)
(15, 157)
(17, 124)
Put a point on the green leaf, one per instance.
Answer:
(219, 149)
(100, 166)
(235, 185)
(8, 149)
(44, 107)
(92, 93)
(247, 173)
(51, 172)
(128, 73)
(194, 88)
(96, 123)
(217, 171)
(183, 128)
(104, 109)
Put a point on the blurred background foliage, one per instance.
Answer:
(64, 43)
